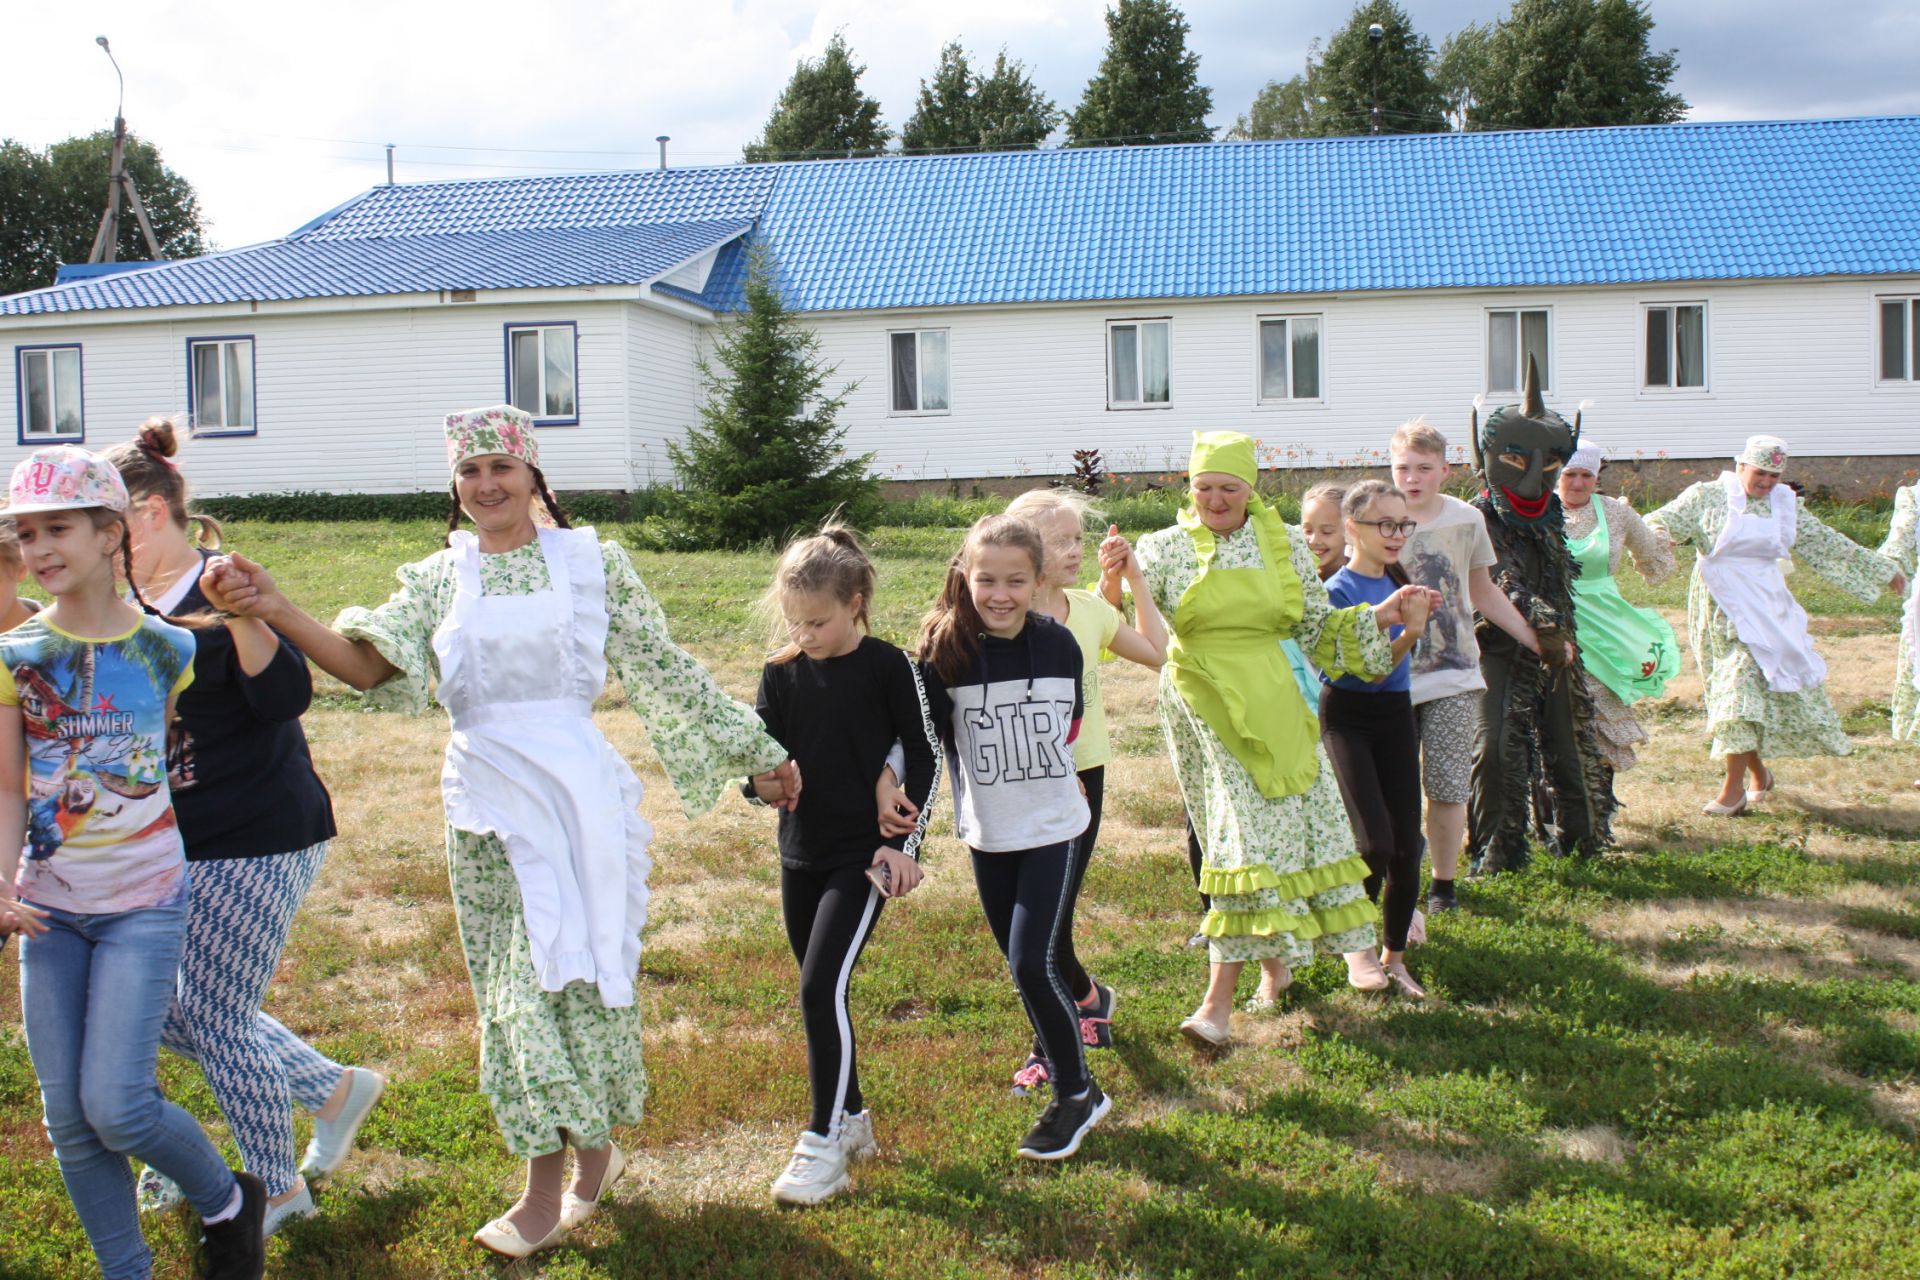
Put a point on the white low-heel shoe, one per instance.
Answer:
(502, 1237)
(575, 1210)
(1756, 794)
(1212, 1034)
(1714, 809)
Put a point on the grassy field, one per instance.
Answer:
(1697, 1057)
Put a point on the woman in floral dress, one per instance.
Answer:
(1765, 684)
(1903, 548)
(1278, 860)
(546, 847)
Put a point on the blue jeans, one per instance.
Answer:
(94, 991)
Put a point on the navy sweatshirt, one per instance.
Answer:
(1008, 726)
(838, 718)
(237, 761)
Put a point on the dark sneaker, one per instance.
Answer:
(1057, 1134)
(1441, 899)
(1096, 1019)
(1032, 1076)
(236, 1249)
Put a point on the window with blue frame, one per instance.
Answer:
(50, 398)
(540, 371)
(220, 386)
(1900, 340)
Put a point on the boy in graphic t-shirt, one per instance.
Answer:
(1451, 553)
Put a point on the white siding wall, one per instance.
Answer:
(349, 401)
(1029, 384)
(352, 401)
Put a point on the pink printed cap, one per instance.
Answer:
(65, 477)
(499, 428)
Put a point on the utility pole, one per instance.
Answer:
(106, 241)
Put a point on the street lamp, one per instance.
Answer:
(1376, 36)
(120, 109)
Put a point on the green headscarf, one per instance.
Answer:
(1226, 452)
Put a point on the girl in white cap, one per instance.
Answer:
(1765, 684)
(545, 842)
(1626, 653)
(87, 689)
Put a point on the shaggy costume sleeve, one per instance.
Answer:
(706, 739)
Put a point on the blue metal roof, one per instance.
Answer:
(1748, 200)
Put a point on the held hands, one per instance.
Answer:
(905, 874)
(1414, 612)
(236, 584)
(898, 814)
(1392, 612)
(1556, 647)
(1899, 584)
(779, 788)
(1116, 557)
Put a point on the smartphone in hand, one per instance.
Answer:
(882, 876)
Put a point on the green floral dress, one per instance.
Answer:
(1899, 548)
(560, 1061)
(1743, 714)
(1300, 846)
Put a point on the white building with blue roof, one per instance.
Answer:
(1698, 282)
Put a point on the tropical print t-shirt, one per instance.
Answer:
(101, 836)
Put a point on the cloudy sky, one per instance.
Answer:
(276, 112)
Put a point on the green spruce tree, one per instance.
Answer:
(1400, 66)
(767, 459)
(1558, 64)
(822, 113)
(1148, 88)
(961, 110)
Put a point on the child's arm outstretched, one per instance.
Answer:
(238, 585)
(15, 916)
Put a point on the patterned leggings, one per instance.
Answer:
(238, 917)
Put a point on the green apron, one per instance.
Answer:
(1226, 662)
(1631, 651)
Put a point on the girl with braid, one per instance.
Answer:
(545, 842)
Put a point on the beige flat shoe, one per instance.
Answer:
(1756, 794)
(575, 1210)
(1364, 972)
(1403, 982)
(1201, 1031)
(502, 1237)
(1714, 809)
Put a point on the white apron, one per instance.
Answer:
(526, 763)
(1913, 612)
(1743, 573)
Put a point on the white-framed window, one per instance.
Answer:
(51, 404)
(1899, 340)
(1675, 349)
(920, 372)
(540, 372)
(1513, 334)
(1139, 364)
(1289, 356)
(220, 385)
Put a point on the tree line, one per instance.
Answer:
(1546, 64)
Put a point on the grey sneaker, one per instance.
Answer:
(278, 1215)
(856, 1135)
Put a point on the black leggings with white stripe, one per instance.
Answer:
(830, 915)
(1026, 896)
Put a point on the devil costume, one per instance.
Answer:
(1534, 704)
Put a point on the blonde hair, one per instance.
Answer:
(1332, 491)
(10, 545)
(831, 563)
(1419, 436)
(1041, 502)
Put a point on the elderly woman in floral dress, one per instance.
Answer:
(516, 627)
(1278, 860)
(1765, 684)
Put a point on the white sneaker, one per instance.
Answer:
(333, 1139)
(856, 1135)
(278, 1215)
(818, 1170)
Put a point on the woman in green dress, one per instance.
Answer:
(1626, 653)
(1765, 684)
(547, 850)
(1278, 860)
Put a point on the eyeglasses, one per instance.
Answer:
(1388, 528)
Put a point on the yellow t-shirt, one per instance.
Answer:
(1093, 622)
